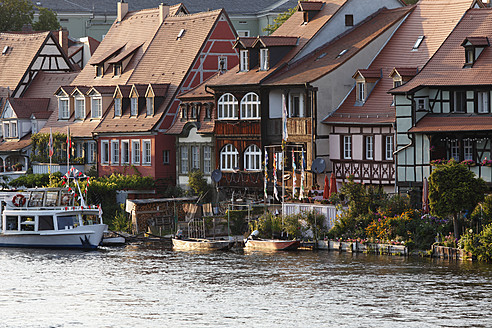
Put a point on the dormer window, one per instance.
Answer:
(194, 111)
(117, 106)
(244, 59)
(96, 107)
(63, 108)
(473, 48)
(222, 63)
(79, 107)
(117, 69)
(349, 20)
(99, 70)
(264, 59)
(361, 91)
(418, 43)
(184, 112)
(134, 106)
(150, 106)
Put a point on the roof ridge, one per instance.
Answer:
(203, 13)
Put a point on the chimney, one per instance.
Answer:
(63, 39)
(163, 12)
(122, 10)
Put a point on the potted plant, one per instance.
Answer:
(18, 166)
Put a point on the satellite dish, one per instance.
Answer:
(216, 175)
(318, 166)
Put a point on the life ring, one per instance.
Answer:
(19, 200)
(65, 200)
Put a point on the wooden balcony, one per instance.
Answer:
(299, 129)
(371, 172)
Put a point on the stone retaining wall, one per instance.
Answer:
(357, 247)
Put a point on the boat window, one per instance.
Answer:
(89, 219)
(51, 198)
(46, 222)
(66, 199)
(67, 222)
(36, 199)
(12, 223)
(27, 223)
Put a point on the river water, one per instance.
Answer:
(147, 285)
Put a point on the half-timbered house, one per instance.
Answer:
(444, 112)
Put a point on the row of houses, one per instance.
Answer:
(376, 90)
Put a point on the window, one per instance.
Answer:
(469, 55)
(34, 126)
(208, 111)
(13, 129)
(79, 108)
(243, 33)
(421, 104)
(125, 152)
(454, 150)
(184, 159)
(63, 108)
(483, 101)
(91, 152)
(115, 152)
(67, 222)
(99, 70)
(250, 106)
(459, 102)
(150, 106)
(195, 157)
(347, 147)
(369, 147)
(252, 158)
(117, 106)
(244, 60)
(105, 152)
(361, 91)
(418, 43)
(468, 149)
(134, 107)
(349, 20)
(96, 107)
(136, 152)
(184, 111)
(6, 130)
(207, 159)
(389, 147)
(228, 106)
(264, 65)
(117, 69)
(295, 105)
(228, 158)
(165, 157)
(222, 63)
(147, 152)
(194, 111)
(79, 149)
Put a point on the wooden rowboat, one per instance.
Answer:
(201, 244)
(272, 244)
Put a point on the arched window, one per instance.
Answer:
(228, 158)
(250, 106)
(228, 106)
(252, 158)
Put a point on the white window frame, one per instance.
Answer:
(347, 147)
(117, 106)
(227, 107)
(91, 152)
(195, 157)
(115, 152)
(388, 144)
(468, 149)
(133, 106)
(243, 33)
(244, 60)
(250, 106)
(264, 59)
(96, 107)
(13, 129)
(136, 152)
(207, 159)
(149, 104)
(361, 91)
(64, 108)
(228, 158)
(454, 150)
(222, 63)
(185, 162)
(369, 145)
(421, 103)
(166, 157)
(34, 126)
(105, 152)
(79, 104)
(252, 158)
(483, 102)
(418, 43)
(6, 130)
(146, 152)
(123, 152)
(296, 98)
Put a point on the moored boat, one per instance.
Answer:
(49, 218)
(255, 243)
(201, 244)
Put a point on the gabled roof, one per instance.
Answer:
(477, 41)
(406, 72)
(446, 66)
(310, 5)
(434, 19)
(24, 107)
(41, 115)
(17, 144)
(245, 42)
(125, 53)
(452, 123)
(276, 41)
(372, 73)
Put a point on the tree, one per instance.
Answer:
(47, 20)
(14, 14)
(198, 184)
(279, 20)
(453, 188)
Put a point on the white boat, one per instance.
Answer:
(48, 218)
(201, 244)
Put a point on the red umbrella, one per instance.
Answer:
(326, 191)
(333, 184)
(425, 196)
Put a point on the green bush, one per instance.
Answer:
(479, 245)
(36, 180)
(121, 221)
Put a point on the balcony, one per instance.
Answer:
(365, 171)
(299, 129)
(242, 179)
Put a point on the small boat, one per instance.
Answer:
(255, 243)
(49, 218)
(201, 244)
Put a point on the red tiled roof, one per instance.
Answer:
(452, 123)
(369, 73)
(445, 68)
(477, 41)
(311, 5)
(125, 53)
(200, 91)
(434, 19)
(276, 41)
(42, 115)
(246, 42)
(404, 71)
(15, 145)
(24, 107)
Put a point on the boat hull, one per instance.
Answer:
(84, 237)
(201, 244)
(272, 244)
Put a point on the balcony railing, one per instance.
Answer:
(299, 126)
(242, 179)
(365, 171)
